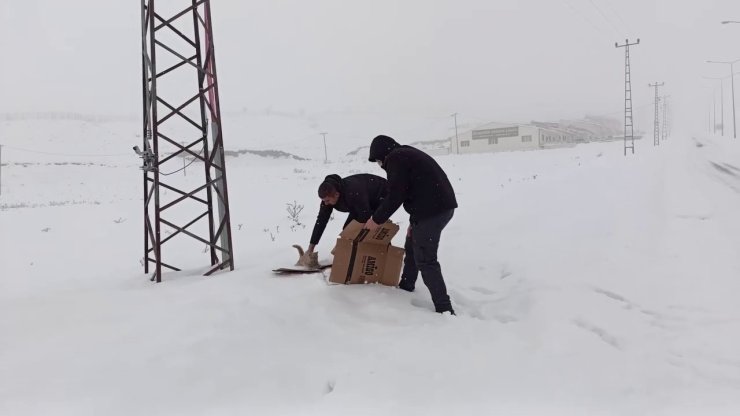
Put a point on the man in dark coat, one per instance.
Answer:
(359, 195)
(419, 183)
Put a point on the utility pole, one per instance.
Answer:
(326, 155)
(656, 124)
(457, 139)
(629, 133)
(714, 112)
(711, 113)
(732, 80)
(664, 136)
(721, 105)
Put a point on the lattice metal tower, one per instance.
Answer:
(656, 124)
(664, 130)
(721, 103)
(629, 133)
(180, 96)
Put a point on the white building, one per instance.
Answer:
(595, 128)
(496, 137)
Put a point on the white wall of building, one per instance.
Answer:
(496, 137)
(499, 138)
(555, 138)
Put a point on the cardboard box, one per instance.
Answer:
(363, 256)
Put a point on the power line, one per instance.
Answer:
(595, 27)
(598, 9)
(615, 13)
(620, 111)
(184, 167)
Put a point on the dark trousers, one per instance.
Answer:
(421, 256)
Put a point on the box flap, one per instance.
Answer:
(382, 235)
(351, 231)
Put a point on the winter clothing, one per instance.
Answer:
(414, 180)
(419, 183)
(360, 195)
(421, 256)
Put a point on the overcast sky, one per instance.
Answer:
(492, 60)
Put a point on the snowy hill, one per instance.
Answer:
(586, 282)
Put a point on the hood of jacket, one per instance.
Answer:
(380, 147)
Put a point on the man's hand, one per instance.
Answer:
(370, 225)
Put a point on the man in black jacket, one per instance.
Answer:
(419, 183)
(360, 195)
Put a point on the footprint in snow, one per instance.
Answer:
(482, 290)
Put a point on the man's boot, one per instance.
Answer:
(406, 285)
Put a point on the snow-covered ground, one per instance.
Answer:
(586, 283)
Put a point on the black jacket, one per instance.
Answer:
(414, 180)
(360, 195)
